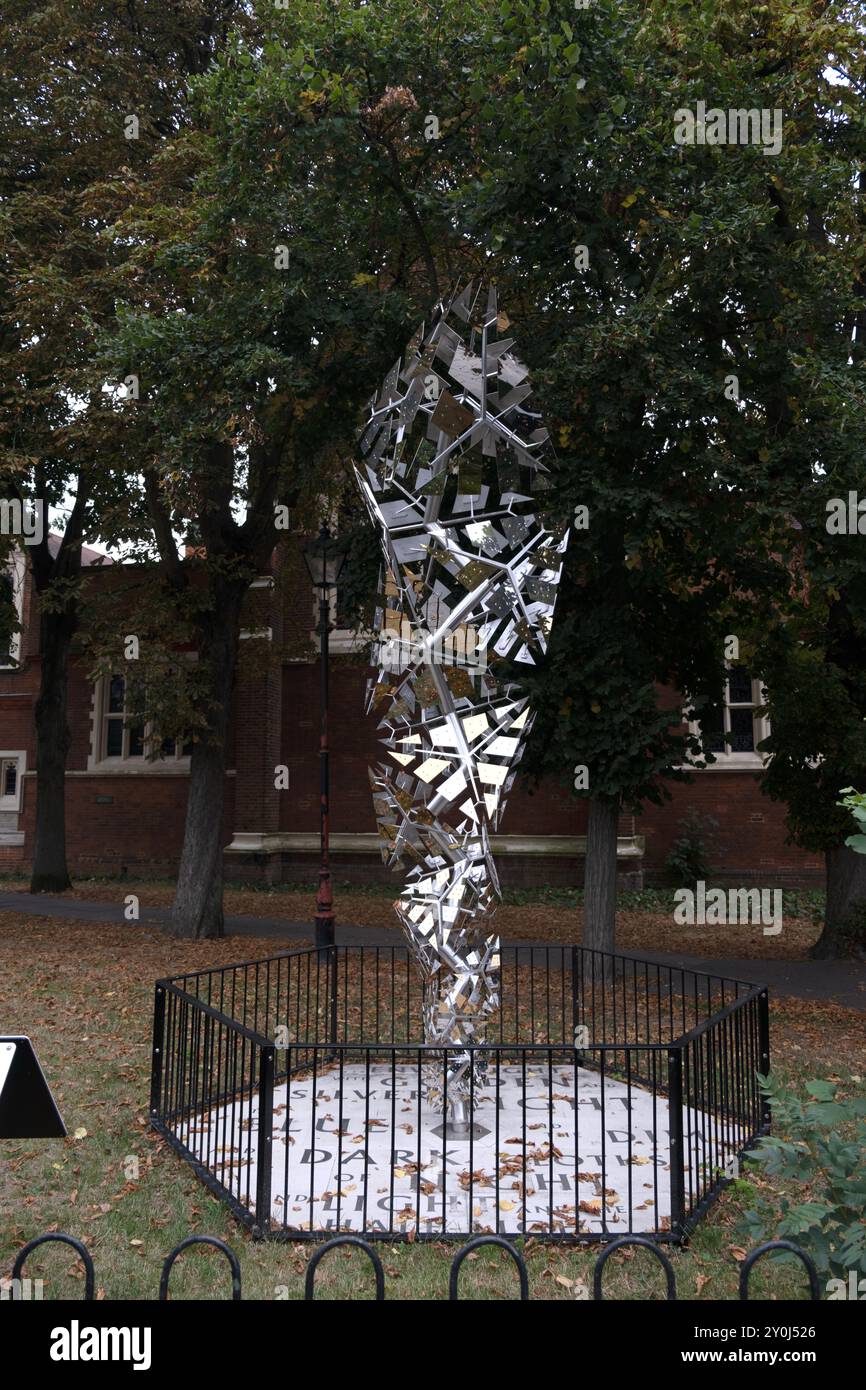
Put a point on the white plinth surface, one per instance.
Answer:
(557, 1171)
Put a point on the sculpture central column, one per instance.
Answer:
(452, 457)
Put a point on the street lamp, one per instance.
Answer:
(324, 558)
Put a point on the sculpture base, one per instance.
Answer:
(459, 1131)
(561, 1150)
(619, 1096)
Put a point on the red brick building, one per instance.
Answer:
(125, 810)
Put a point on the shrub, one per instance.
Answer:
(823, 1154)
(688, 860)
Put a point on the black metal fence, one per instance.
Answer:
(20, 1288)
(613, 1097)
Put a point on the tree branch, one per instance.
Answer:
(162, 532)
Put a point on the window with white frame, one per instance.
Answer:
(12, 598)
(121, 739)
(12, 766)
(740, 727)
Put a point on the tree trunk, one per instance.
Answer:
(599, 891)
(50, 873)
(197, 910)
(844, 932)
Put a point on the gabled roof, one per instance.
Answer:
(89, 556)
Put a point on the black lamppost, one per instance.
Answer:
(324, 558)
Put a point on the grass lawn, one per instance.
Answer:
(84, 992)
(645, 919)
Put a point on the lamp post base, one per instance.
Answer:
(324, 930)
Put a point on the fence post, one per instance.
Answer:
(764, 1044)
(158, 1049)
(264, 1147)
(677, 1141)
(64, 1239)
(332, 964)
(234, 1264)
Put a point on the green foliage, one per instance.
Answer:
(69, 77)
(701, 264)
(275, 258)
(817, 711)
(855, 802)
(359, 581)
(688, 859)
(820, 1152)
(280, 254)
(305, 127)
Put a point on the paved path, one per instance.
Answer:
(843, 982)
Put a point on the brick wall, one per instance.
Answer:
(276, 720)
(749, 844)
(355, 747)
(139, 830)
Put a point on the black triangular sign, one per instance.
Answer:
(27, 1109)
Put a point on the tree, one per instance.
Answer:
(809, 638)
(675, 288)
(631, 381)
(88, 90)
(813, 668)
(280, 257)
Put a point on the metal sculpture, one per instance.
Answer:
(452, 457)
